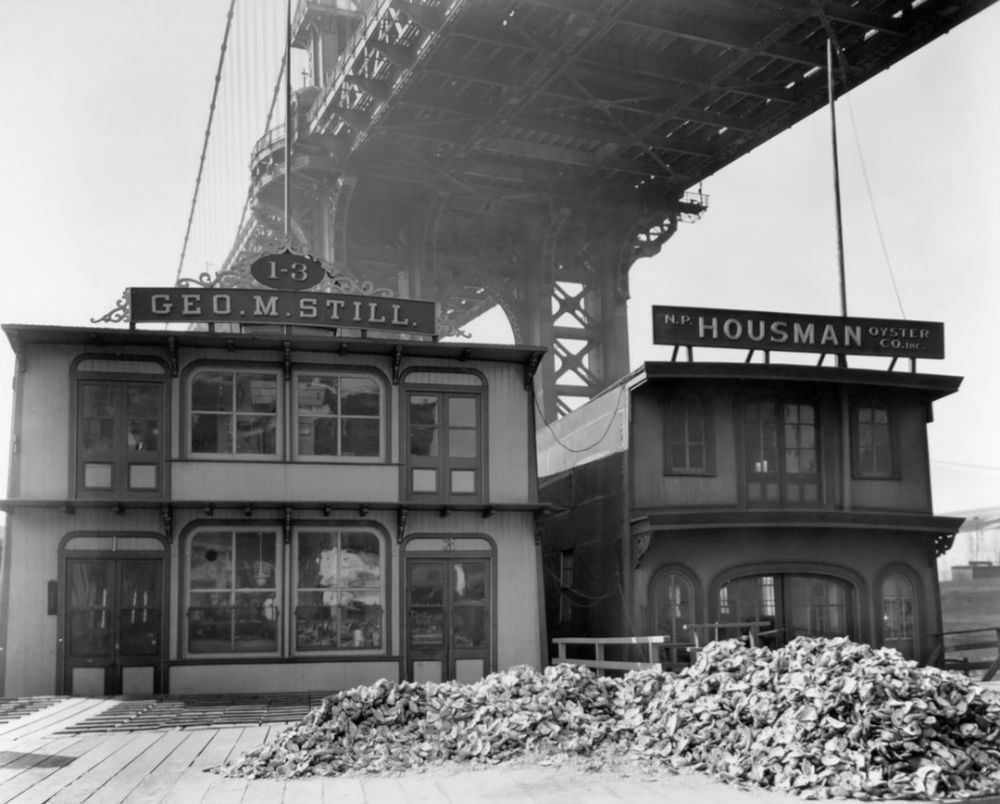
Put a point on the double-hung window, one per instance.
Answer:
(235, 412)
(687, 429)
(872, 448)
(444, 445)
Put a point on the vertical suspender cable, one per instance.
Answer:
(288, 125)
(836, 180)
(208, 134)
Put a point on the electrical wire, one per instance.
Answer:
(871, 203)
(208, 135)
(978, 466)
(564, 445)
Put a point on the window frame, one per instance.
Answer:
(120, 457)
(279, 413)
(916, 613)
(774, 601)
(339, 373)
(858, 471)
(664, 584)
(278, 591)
(285, 589)
(680, 404)
(444, 464)
(781, 475)
(295, 587)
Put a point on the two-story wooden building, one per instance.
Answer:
(195, 512)
(791, 495)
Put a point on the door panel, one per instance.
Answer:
(448, 623)
(90, 600)
(113, 626)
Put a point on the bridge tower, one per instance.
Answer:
(463, 223)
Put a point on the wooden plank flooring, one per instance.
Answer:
(42, 761)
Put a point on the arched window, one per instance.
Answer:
(898, 627)
(671, 601)
(687, 436)
(789, 605)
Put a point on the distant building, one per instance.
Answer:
(794, 497)
(975, 571)
(977, 542)
(221, 512)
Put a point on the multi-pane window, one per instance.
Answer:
(444, 445)
(236, 581)
(789, 605)
(119, 436)
(782, 453)
(672, 602)
(898, 628)
(233, 592)
(338, 590)
(234, 412)
(872, 441)
(338, 416)
(686, 430)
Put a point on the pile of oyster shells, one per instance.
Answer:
(818, 717)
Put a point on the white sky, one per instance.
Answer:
(105, 103)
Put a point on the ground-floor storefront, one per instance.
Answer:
(872, 584)
(135, 603)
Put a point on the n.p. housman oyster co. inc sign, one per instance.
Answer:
(790, 332)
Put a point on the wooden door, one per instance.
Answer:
(112, 626)
(449, 625)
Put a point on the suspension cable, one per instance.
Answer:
(208, 135)
(871, 203)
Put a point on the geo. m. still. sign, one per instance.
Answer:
(791, 332)
(323, 309)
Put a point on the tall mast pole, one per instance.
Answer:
(836, 181)
(288, 124)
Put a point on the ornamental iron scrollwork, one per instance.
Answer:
(122, 312)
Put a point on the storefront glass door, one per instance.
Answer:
(112, 626)
(448, 622)
(791, 605)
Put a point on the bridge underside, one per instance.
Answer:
(526, 152)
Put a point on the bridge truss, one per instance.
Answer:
(525, 153)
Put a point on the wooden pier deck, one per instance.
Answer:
(72, 750)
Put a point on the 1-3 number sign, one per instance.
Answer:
(287, 271)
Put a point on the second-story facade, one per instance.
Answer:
(796, 497)
(198, 512)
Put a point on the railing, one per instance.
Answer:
(269, 141)
(663, 650)
(750, 631)
(600, 663)
(964, 663)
